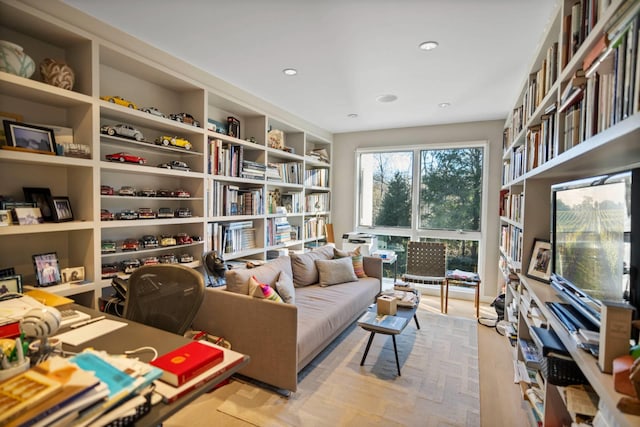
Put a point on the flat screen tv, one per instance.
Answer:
(594, 241)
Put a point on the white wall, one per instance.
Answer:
(343, 180)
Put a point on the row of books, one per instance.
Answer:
(287, 172)
(317, 202)
(225, 158)
(541, 140)
(279, 231)
(511, 205)
(577, 25)
(314, 227)
(511, 242)
(230, 199)
(232, 237)
(316, 177)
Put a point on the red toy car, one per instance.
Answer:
(181, 193)
(106, 190)
(130, 245)
(105, 215)
(183, 239)
(126, 157)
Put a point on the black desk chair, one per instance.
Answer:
(165, 296)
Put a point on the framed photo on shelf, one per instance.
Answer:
(47, 269)
(540, 263)
(42, 198)
(28, 216)
(11, 284)
(25, 137)
(72, 274)
(61, 209)
(10, 117)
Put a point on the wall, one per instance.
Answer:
(343, 184)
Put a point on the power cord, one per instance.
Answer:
(141, 350)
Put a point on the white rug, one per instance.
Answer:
(438, 387)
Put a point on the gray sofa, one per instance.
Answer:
(282, 338)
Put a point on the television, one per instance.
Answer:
(595, 235)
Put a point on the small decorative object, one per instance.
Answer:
(47, 269)
(10, 117)
(72, 274)
(11, 284)
(540, 264)
(61, 209)
(57, 73)
(42, 198)
(13, 60)
(5, 217)
(6, 272)
(233, 127)
(28, 216)
(276, 139)
(25, 137)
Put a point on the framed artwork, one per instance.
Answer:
(6, 272)
(5, 217)
(11, 284)
(42, 198)
(540, 263)
(61, 209)
(47, 269)
(72, 274)
(10, 117)
(28, 216)
(26, 137)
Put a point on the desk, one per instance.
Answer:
(136, 335)
(464, 278)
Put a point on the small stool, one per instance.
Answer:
(465, 278)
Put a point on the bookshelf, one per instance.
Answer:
(223, 192)
(577, 116)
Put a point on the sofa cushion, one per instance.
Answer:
(285, 288)
(356, 258)
(335, 271)
(238, 279)
(303, 266)
(262, 290)
(339, 253)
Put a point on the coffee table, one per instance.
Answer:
(387, 325)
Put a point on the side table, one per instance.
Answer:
(465, 278)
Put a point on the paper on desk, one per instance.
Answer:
(88, 332)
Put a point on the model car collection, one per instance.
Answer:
(175, 141)
(108, 246)
(184, 118)
(126, 157)
(183, 239)
(146, 213)
(126, 131)
(127, 214)
(130, 245)
(154, 111)
(106, 190)
(149, 241)
(175, 164)
(120, 101)
(147, 192)
(127, 191)
(105, 215)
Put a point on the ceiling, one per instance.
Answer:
(350, 52)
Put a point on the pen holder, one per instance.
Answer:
(14, 370)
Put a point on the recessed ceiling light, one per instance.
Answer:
(290, 71)
(386, 98)
(430, 45)
(352, 116)
(444, 104)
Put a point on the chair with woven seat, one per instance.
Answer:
(427, 264)
(165, 296)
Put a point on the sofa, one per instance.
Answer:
(316, 298)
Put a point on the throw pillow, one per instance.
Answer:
(335, 271)
(356, 258)
(238, 278)
(262, 290)
(304, 268)
(338, 253)
(285, 288)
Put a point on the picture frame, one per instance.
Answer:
(540, 262)
(6, 272)
(42, 198)
(72, 274)
(28, 216)
(11, 284)
(11, 117)
(5, 217)
(25, 137)
(47, 269)
(61, 209)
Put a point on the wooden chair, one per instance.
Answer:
(427, 264)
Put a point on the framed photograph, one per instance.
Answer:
(26, 137)
(5, 217)
(72, 274)
(11, 284)
(61, 209)
(42, 198)
(6, 272)
(540, 263)
(10, 117)
(28, 216)
(47, 269)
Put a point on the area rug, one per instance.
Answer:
(439, 385)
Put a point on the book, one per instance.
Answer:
(231, 359)
(385, 323)
(186, 362)
(24, 391)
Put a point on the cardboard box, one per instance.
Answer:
(387, 305)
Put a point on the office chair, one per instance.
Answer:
(165, 296)
(427, 264)
(215, 267)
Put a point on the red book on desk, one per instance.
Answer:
(186, 362)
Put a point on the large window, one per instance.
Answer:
(423, 193)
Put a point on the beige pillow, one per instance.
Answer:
(285, 288)
(335, 271)
(238, 279)
(338, 253)
(304, 268)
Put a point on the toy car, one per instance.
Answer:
(165, 213)
(154, 111)
(105, 215)
(175, 164)
(110, 270)
(129, 265)
(120, 101)
(184, 258)
(150, 260)
(130, 245)
(183, 239)
(184, 118)
(168, 259)
(146, 213)
(183, 212)
(108, 247)
(127, 191)
(166, 240)
(128, 214)
(147, 192)
(126, 157)
(173, 140)
(106, 190)
(122, 130)
(163, 193)
(197, 238)
(149, 241)
(181, 193)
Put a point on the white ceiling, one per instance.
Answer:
(349, 52)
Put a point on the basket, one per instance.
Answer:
(562, 372)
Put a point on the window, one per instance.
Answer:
(444, 205)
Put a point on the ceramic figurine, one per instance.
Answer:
(13, 60)
(57, 73)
